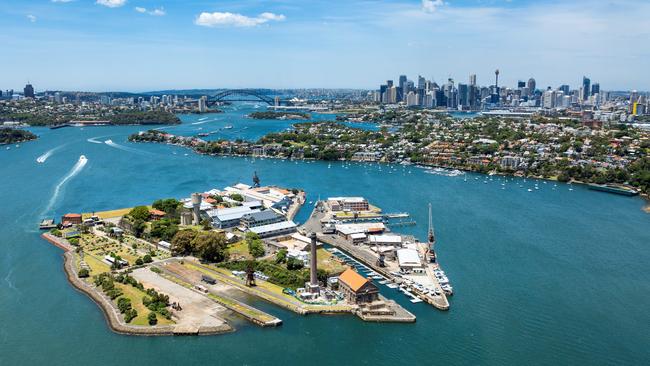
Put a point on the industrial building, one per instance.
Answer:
(261, 218)
(348, 204)
(348, 230)
(357, 289)
(408, 260)
(279, 228)
(225, 218)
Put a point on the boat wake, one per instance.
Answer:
(94, 140)
(124, 148)
(76, 169)
(204, 121)
(41, 159)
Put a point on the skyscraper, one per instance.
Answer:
(531, 86)
(463, 96)
(472, 80)
(565, 89)
(28, 91)
(595, 88)
(402, 88)
(586, 88)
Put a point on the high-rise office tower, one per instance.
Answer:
(586, 88)
(28, 91)
(564, 88)
(402, 91)
(595, 88)
(472, 79)
(463, 96)
(532, 86)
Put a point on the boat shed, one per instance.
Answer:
(408, 259)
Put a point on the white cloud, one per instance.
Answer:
(31, 18)
(430, 6)
(271, 16)
(111, 3)
(236, 20)
(158, 12)
(155, 12)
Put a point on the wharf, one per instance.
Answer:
(313, 224)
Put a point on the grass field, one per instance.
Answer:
(109, 214)
(136, 301)
(96, 265)
(239, 249)
(328, 262)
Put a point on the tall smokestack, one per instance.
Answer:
(196, 208)
(313, 279)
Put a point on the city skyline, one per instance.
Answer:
(118, 45)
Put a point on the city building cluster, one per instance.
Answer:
(527, 96)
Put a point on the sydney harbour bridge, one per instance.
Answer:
(245, 95)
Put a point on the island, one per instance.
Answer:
(186, 266)
(14, 136)
(279, 115)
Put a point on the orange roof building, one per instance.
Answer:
(357, 289)
(71, 218)
(156, 214)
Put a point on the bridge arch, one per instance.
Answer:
(256, 94)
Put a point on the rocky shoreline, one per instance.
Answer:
(111, 314)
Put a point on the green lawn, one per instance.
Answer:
(239, 249)
(136, 301)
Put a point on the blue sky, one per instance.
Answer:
(140, 45)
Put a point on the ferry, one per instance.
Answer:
(613, 188)
(228, 127)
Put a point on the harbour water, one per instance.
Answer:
(550, 276)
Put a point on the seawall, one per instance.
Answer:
(111, 314)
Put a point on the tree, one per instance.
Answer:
(140, 213)
(153, 320)
(182, 242)
(164, 229)
(147, 259)
(281, 256)
(123, 304)
(139, 262)
(169, 205)
(207, 225)
(237, 197)
(138, 228)
(294, 264)
(210, 246)
(256, 248)
(130, 315)
(83, 273)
